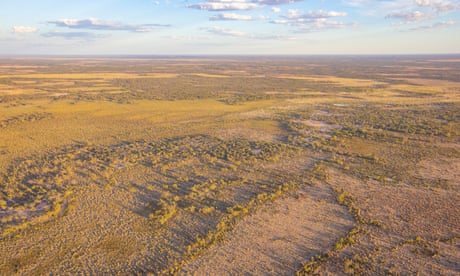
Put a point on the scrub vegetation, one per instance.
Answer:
(313, 165)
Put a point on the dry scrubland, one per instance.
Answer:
(254, 166)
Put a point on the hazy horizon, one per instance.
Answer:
(221, 56)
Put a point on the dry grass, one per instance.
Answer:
(110, 168)
(335, 80)
(84, 76)
(209, 75)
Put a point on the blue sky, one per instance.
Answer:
(235, 27)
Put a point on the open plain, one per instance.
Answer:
(230, 165)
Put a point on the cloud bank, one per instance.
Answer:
(312, 21)
(231, 16)
(233, 5)
(96, 24)
(224, 6)
(73, 35)
(24, 29)
(240, 34)
(420, 10)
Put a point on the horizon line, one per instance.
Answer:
(145, 56)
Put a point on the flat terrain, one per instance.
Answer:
(230, 166)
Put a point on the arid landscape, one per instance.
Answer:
(309, 165)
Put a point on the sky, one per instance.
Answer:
(228, 27)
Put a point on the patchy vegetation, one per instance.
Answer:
(178, 166)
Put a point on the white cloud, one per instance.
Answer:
(73, 35)
(296, 14)
(419, 10)
(384, 6)
(312, 21)
(186, 38)
(230, 5)
(438, 5)
(231, 16)
(356, 3)
(235, 33)
(276, 9)
(228, 32)
(96, 24)
(409, 16)
(225, 5)
(321, 25)
(276, 2)
(424, 3)
(280, 21)
(436, 25)
(24, 29)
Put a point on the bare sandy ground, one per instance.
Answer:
(419, 232)
(277, 239)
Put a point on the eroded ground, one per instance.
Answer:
(230, 166)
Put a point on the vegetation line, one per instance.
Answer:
(345, 199)
(227, 224)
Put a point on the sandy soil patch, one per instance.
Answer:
(209, 75)
(429, 82)
(72, 76)
(419, 231)
(447, 169)
(277, 239)
(322, 126)
(251, 134)
(335, 80)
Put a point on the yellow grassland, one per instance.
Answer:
(72, 76)
(87, 89)
(209, 75)
(418, 88)
(24, 82)
(362, 146)
(54, 83)
(336, 80)
(94, 183)
(22, 66)
(91, 121)
(17, 91)
(430, 82)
